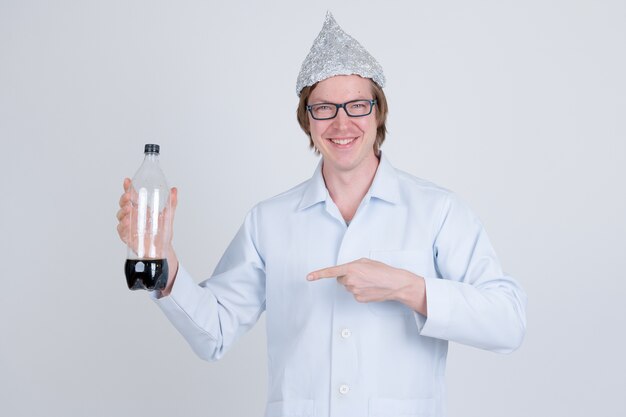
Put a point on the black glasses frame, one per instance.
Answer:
(372, 103)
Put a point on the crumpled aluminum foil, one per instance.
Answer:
(334, 52)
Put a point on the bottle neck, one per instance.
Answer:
(151, 157)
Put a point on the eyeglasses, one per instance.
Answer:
(354, 108)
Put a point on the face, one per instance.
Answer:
(346, 143)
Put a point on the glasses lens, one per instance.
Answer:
(323, 111)
(358, 107)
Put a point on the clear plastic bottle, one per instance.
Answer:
(149, 233)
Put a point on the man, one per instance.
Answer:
(411, 267)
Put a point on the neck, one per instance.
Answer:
(347, 188)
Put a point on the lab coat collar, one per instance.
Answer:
(315, 191)
(385, 186)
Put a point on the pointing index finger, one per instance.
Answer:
(330, 272)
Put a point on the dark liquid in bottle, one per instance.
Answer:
(146, 274)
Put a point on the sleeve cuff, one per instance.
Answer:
(439, 309)
(184, 288)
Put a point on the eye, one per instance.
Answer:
(358, 105)
(322, 107)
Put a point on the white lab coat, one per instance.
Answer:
(329, 355)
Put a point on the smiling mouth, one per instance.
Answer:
(342, 141)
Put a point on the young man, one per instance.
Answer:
(410, 266)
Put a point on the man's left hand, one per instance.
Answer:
(370, 281)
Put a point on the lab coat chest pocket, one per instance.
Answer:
(291, 408)
(414, 261)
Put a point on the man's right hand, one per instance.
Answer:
(123, 228)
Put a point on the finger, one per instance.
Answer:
(343, 280)
(124, 199)
(331, 272)
(174, 203)
(174, 197)
(126, 184)
(361, 298)
(122, 212)
(121, 231)
(124, 222)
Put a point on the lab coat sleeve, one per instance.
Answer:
(472, 301)
(214, 314)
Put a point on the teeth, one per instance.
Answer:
(342, 141)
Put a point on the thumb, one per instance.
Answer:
(174, 198)
(170, 211)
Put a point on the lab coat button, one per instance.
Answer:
(344, 389)
(346, 333)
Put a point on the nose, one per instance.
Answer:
(342, 118)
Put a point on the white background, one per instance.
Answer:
(518, 106)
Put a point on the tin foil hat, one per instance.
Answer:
(334, 52)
